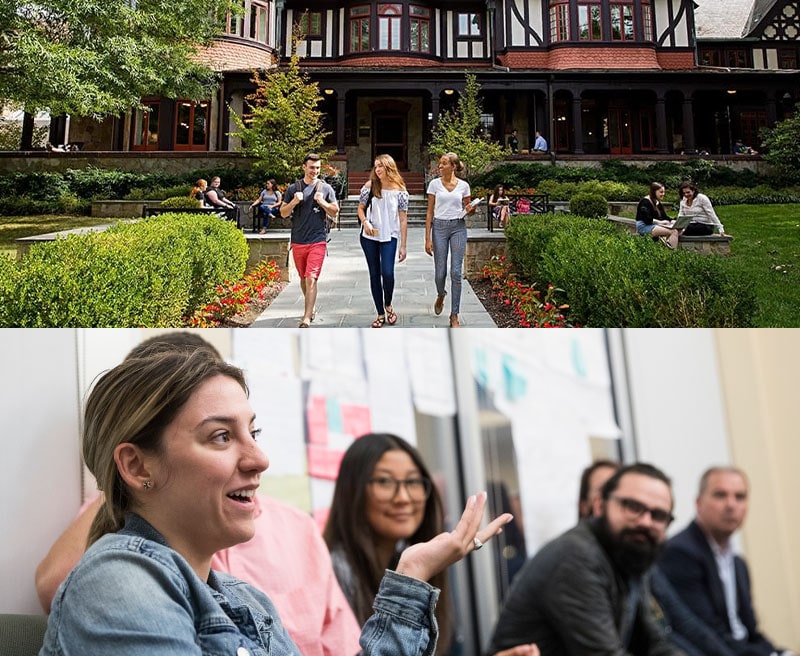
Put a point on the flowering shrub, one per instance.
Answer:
(533, 309)
(231, 299)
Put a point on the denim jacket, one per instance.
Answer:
(132, 594)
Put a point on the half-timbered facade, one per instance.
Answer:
(620, 77)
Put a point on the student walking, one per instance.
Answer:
(383, 213)
(312, 200)
(446, 231)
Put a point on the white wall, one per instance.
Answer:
(40, 468)
(678, 414)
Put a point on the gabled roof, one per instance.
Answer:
(760, 9)
(723, 19)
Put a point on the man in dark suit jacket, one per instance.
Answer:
(710, 579)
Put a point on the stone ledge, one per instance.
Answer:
(481, 247)
(694, 244)
(273, 245)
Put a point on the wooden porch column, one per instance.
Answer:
(661, 125)
(340, 123)
(689, 145)
(577, 125)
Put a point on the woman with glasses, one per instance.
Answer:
(384, 502)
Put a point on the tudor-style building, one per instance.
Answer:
(621, 77)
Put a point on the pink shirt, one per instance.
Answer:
(289, 561)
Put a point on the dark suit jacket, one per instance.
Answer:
(570, 600)
(689, 565)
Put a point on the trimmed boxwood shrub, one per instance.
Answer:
(181, 202)
(612, 279)
(592, 206)
(150, 273)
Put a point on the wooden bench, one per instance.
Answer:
(520, 204)
(696, 244)
(228, 213)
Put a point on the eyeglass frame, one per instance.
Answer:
(637, 509)
(426, 484)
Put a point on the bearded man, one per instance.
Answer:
(586, 593)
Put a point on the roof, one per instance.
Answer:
(730, 19)
(226, 55)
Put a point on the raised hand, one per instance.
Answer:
(425, 559)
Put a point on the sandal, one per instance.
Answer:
(378, 323)
(314, 313)
(454, 322)
(438, 306)
(304, 324)
(391, 316)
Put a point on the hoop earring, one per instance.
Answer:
(147, 485)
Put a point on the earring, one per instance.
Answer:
(147, 485)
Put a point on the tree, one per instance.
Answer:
(283, 123)
(460, 132)
(92, 58)
(781, 145)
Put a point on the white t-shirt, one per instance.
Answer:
(449, 204)
(384, 213)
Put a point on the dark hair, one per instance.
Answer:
(654, 187)
(185, 340)
(636, 468)
(586, 476)
(273, 183)
(688, 184)
(348, 532)
(314, 157)
(497, 190)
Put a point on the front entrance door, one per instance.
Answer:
(619, 131)
(389, 130)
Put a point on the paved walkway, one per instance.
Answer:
(344, 299)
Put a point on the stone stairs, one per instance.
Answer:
(348, 216)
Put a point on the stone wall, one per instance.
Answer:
(481, 248)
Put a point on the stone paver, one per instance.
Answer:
(344, 299)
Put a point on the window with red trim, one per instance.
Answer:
(622, 22)
(589, 24)
(389, 19)
(191, 125)
(144, 126)
(559, 21)
(359, 29)
(419, 29)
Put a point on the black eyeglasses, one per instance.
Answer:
(636, 509)
(386, 488)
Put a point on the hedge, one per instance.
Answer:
(612, 279)
(150, 273)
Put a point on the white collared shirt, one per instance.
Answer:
(727, 574)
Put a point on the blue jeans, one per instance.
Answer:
(449, 236)
(266, 214)
(380, 262)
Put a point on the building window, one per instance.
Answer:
(259, 21)
(622, 23)
(191, 125)
(359, 29)
(647, 22)
(559, 21)
(737, 58)
(487, 124)
(389, 17)
(787, 58)
(420, 28)
(589, 28)
(469, 25)
(144, 126)
(234, 24)
(310, 23)
(709, 57)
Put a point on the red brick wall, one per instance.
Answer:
(674, 61)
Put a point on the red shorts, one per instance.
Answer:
(308, 258)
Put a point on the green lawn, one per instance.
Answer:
(14, 227)
(766, 246)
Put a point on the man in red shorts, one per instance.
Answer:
(312, 200)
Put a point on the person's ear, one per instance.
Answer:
(133, 466)
(597, 505)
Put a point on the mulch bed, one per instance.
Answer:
(254, 309)
(502, 314)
